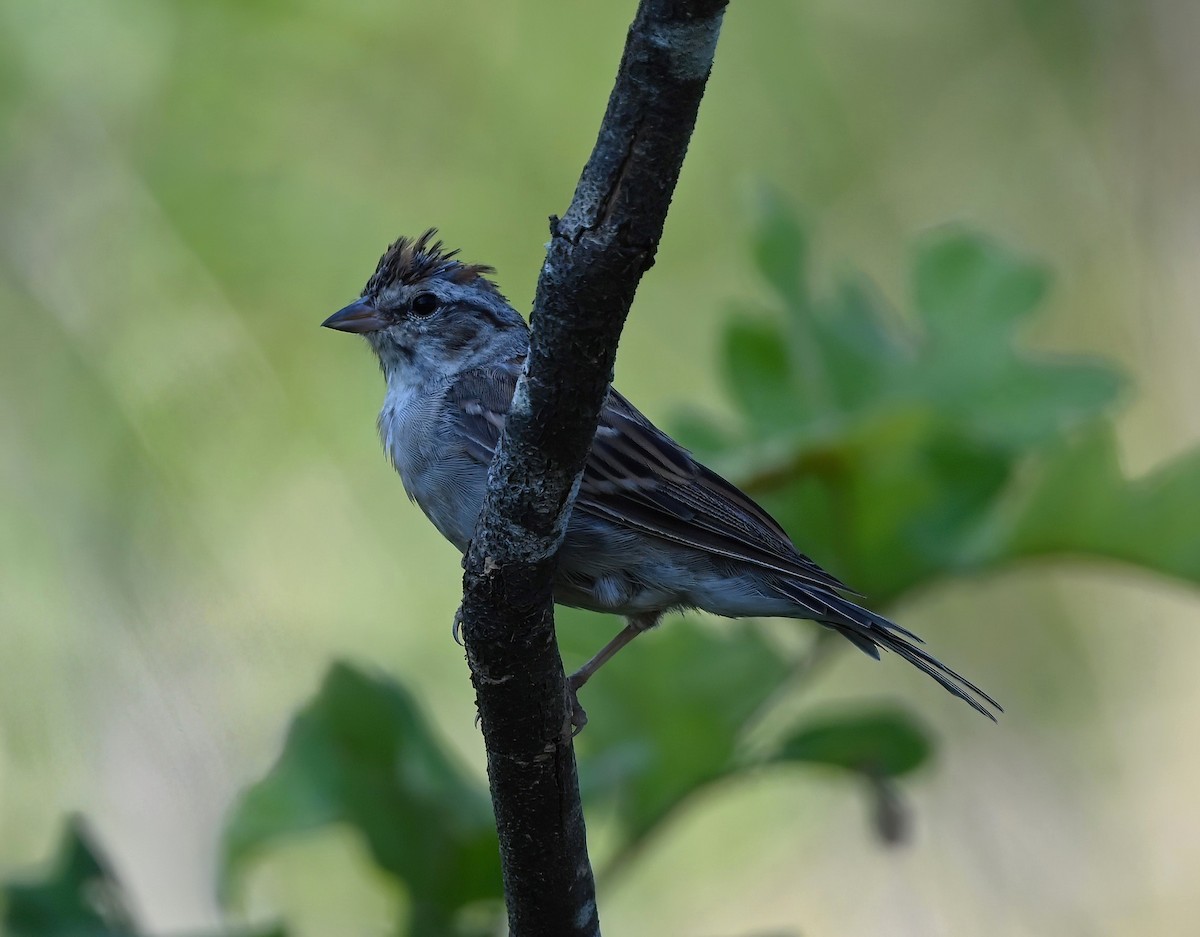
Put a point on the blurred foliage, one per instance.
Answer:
(79, 897)
(878, 744)
(875, 747)
(907, 449)
(362, 754)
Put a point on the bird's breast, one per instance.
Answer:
(436, 473)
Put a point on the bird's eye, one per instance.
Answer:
(425, 304)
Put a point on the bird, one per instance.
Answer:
(653, 530)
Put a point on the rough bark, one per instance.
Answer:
(598, 253)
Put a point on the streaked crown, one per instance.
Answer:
(408, 262)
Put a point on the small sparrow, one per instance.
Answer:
(652, 529)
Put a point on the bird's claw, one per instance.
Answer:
(576, 715)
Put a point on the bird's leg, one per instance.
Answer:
(635, 625)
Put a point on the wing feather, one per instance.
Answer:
(638, 477)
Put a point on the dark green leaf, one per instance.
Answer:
(883, 743)
(80, 898)
(361, 753)
(902, 502)
(667, 712)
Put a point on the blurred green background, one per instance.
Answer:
(196, 516)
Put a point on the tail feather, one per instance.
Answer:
(869, 632)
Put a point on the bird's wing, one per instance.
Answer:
(480, 402)
(638, 477)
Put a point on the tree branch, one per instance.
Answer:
(598, 253)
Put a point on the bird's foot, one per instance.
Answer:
(576, 716)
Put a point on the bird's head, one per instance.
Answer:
(427, 314)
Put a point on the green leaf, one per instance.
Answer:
(758, 373)
(882, 743)
(902, 501)
(779, 245)
(859, 346)
(362, 754)
(967, 286)
(666, 714)
(901, 454)
(879, 746)
(80, 898)
(1032, 401)
(1076, 500)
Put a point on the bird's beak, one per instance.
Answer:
(359, 316)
